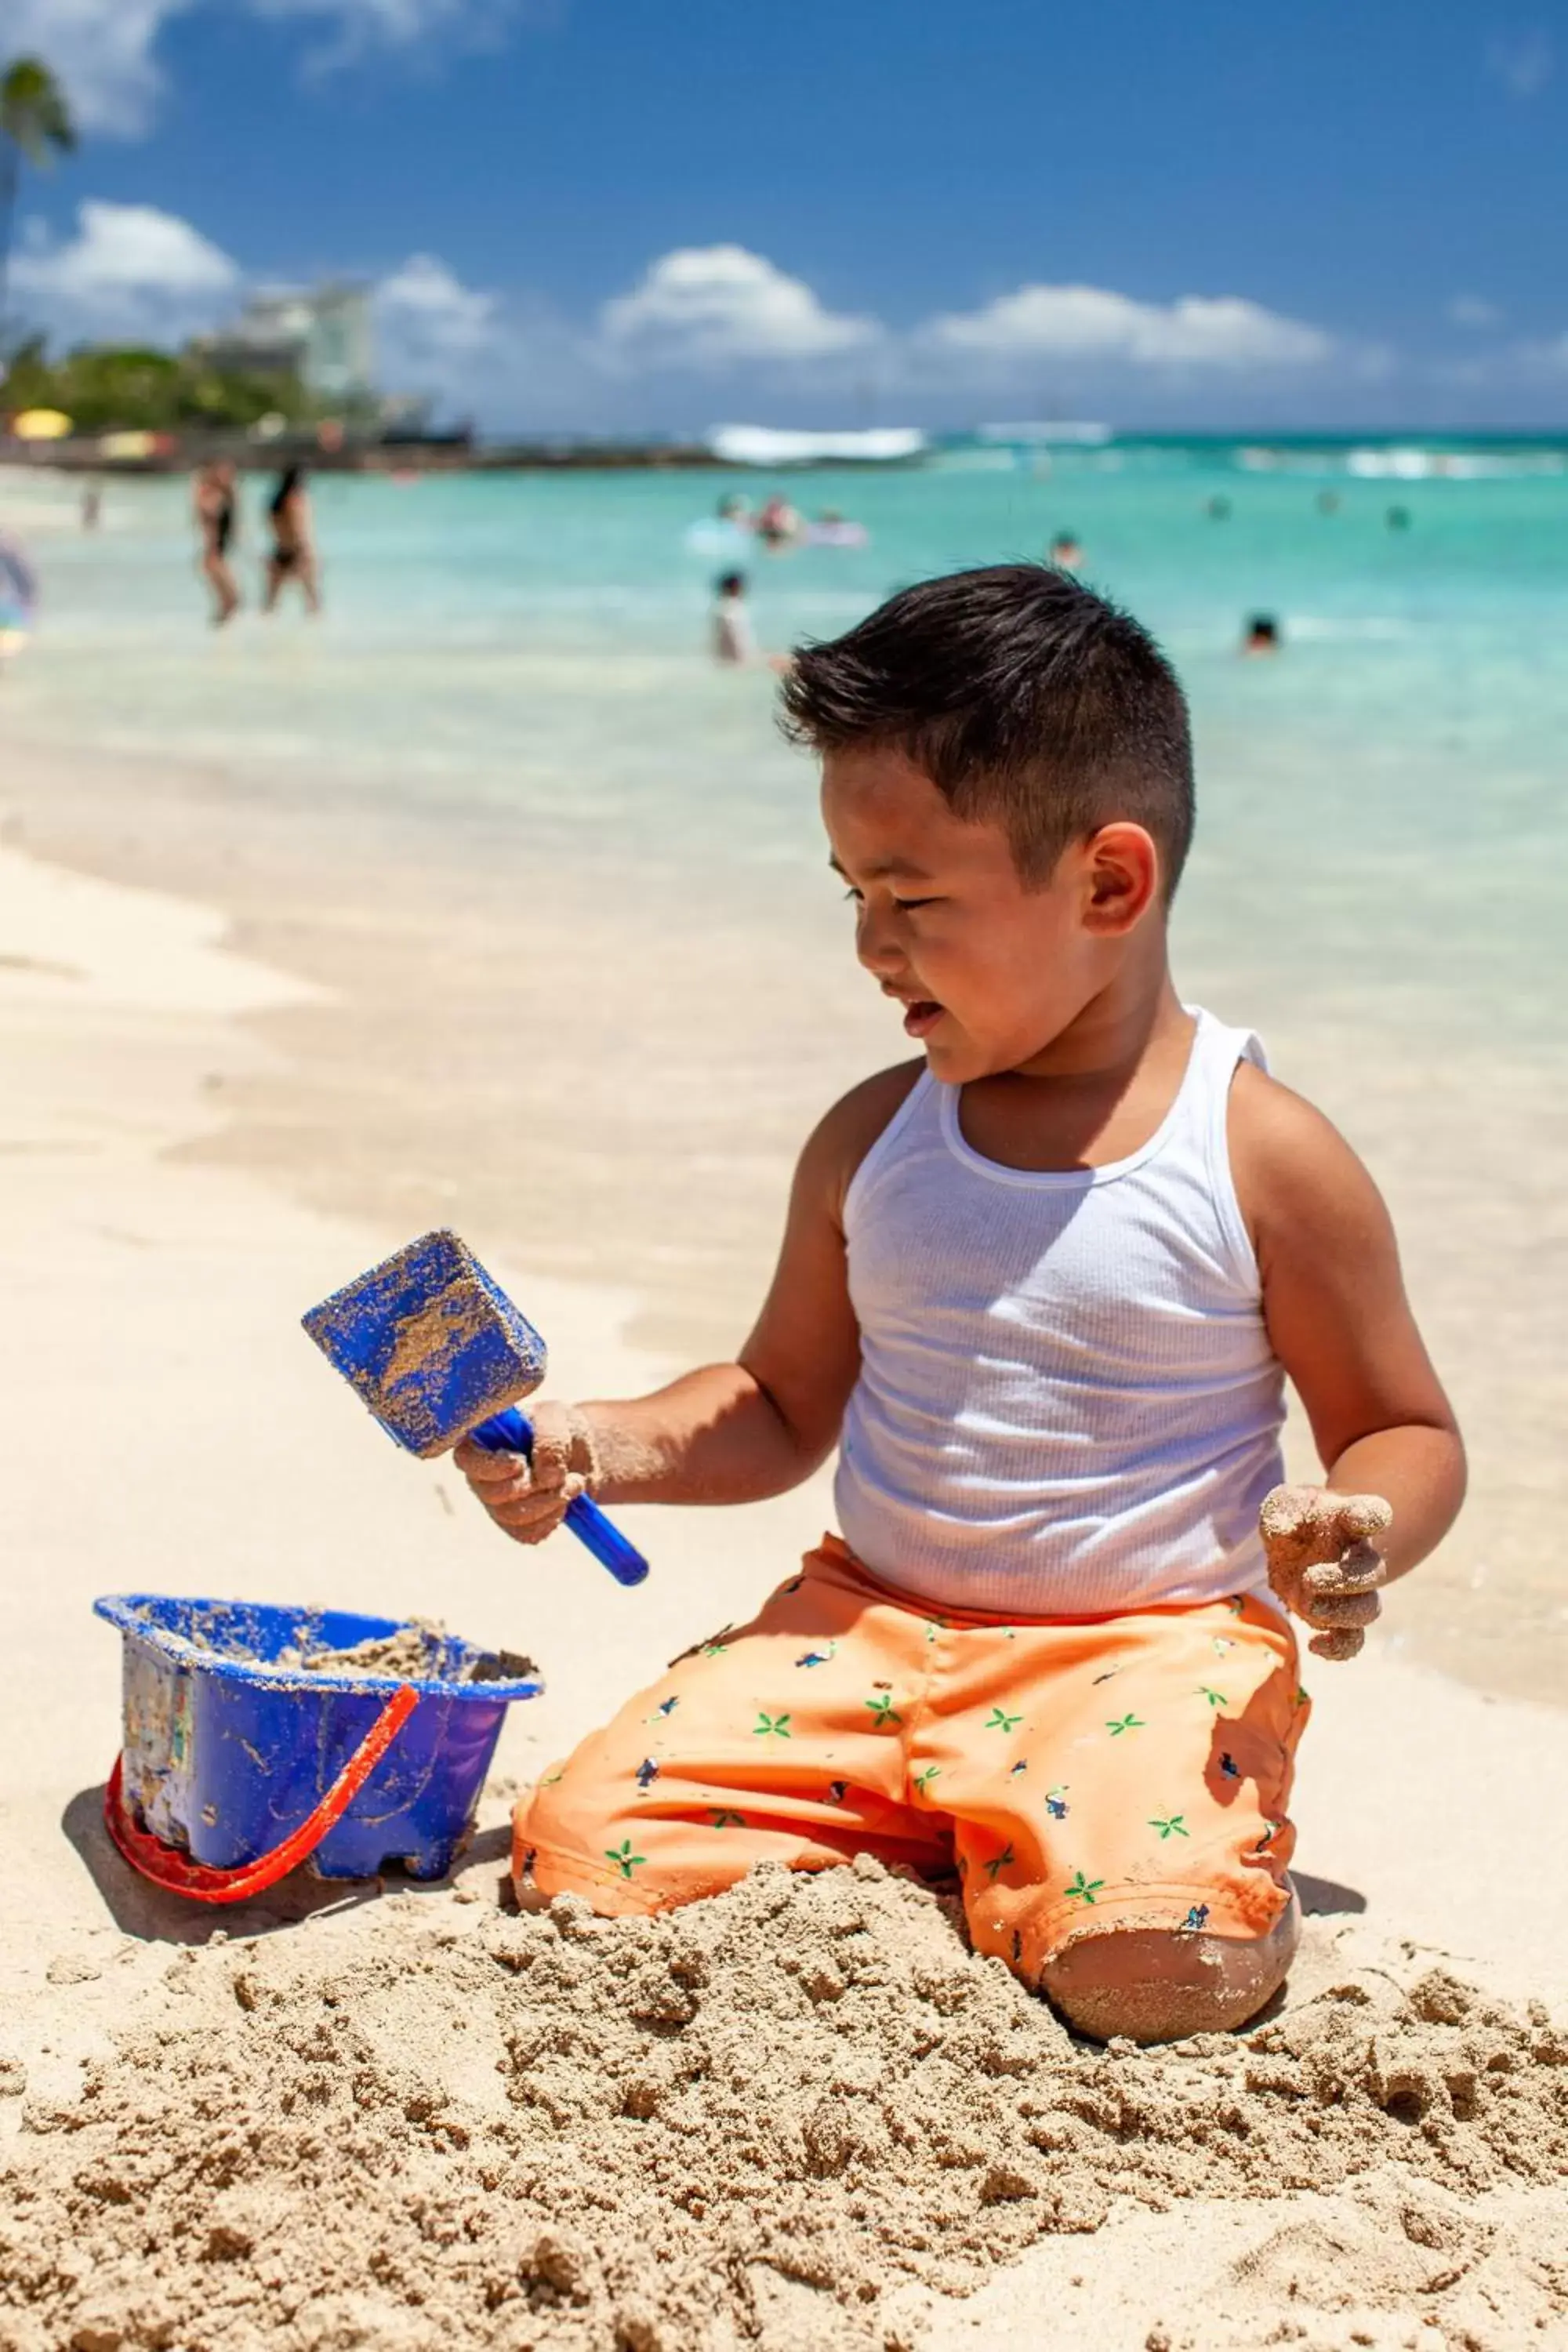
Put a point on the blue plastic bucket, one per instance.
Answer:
(227, 1748)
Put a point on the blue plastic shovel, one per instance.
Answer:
(439, 1352)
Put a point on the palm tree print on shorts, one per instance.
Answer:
(625, 1859)
(1126, 1723)
(883, 1710)
(1174, 1825)
(1084, 1890)
(1000, 1862)
(775, 1726)
(1000, 1720)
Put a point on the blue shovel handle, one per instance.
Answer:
(512, 1433)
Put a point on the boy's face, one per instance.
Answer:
(991, 970)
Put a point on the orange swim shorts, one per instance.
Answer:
(1079, 1774)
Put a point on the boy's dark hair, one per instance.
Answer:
(1023, 696)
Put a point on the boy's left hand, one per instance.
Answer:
(1324, 1563)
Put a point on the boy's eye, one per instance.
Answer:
(906, 904)
(852, 893)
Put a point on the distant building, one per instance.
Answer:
(323, 336)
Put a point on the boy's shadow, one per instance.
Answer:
(153, 1916)
(1325, 1898)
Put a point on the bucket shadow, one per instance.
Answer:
(153, 1916)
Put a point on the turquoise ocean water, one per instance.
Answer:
(525, 655)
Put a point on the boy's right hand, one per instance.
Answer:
(529, 1498)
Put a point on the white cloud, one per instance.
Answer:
(101, 51)
(440, 338)
(356, 26)
(424, 303)
(129, 268)
(1092, 323)
(1469, 311)
(714, 305)
(104, 50)
(1524, 64)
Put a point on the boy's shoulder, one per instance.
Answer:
(1293, 1171)
(845, 1134)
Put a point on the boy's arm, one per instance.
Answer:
(730, 1433)
(1334, 1302)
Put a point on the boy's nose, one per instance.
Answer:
(875, 946)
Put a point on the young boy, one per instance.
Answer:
(1042, 1288)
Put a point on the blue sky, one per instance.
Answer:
(608, 212)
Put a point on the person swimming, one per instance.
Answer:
(216, 512)
(1067, 550)
(777, 523)
(293, 554)
(1218, 509)
(1261, 634)
(831, 528)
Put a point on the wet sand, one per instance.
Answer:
(607, 1073)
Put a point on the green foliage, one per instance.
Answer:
(107, 389)
(33, 115)
(35, 127)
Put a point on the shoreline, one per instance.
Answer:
(609, 1080)
(202, 1446)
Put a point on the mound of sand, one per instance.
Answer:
(773, 2117)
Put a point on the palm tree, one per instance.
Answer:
(35, 126)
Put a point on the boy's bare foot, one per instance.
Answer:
(1323, 1563)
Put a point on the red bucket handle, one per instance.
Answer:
(170, 1867)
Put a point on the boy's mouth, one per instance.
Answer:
(921, 1016)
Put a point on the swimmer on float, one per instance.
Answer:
(831, 528)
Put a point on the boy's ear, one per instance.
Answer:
(1122, 877)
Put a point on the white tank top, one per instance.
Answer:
(1068, 1404)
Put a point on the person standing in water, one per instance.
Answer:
(293, 550)
(214, 506)
(734, 639)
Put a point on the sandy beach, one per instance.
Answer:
(371, 2117)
